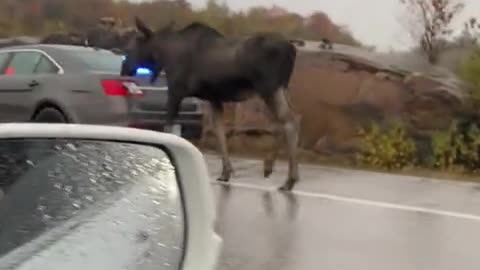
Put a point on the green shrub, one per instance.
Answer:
(389, 148)
(469, 71)
(445, 145)
(457, 147)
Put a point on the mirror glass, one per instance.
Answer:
(100, 204)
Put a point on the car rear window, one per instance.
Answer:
(99, 60)
(23, 63)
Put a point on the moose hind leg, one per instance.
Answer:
(272, 155)
(288, 122)
(219, 127)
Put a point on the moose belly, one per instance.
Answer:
(231, 90)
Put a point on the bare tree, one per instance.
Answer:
(471, 32)
(429, 23)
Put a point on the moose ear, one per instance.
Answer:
(143, 28)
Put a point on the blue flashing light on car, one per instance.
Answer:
(140, 70)
(143, 71)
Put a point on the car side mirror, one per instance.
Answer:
(91, 197)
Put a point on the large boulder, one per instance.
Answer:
(337, 91)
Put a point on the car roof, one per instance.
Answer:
(51, 47)
(60, 53)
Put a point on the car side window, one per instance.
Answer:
(45, 66)
(23, 63)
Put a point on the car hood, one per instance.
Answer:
(133, 232)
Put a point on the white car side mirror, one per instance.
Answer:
(103, 197)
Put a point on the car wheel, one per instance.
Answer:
(50, 115)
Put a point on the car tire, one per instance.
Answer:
(49, 115)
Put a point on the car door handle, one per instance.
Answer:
(34, 83)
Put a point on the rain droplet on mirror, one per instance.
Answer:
(107, 167)
(93, 162)
(77, 204)
(71, 146)
(161, 244)
(154, 190)
(46, 218)
(147, 254)
(117, 223)
(107, 175)
(68, 189)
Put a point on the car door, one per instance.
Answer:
(21, 76)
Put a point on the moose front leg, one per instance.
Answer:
(173, 105)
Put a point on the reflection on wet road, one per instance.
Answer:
(264, 229)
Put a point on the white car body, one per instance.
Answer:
(82, 248)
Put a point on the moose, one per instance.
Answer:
(200, 62)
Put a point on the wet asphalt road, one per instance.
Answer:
(342, 219)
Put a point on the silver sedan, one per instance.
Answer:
(75, 84)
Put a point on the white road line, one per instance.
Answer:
(365, 202)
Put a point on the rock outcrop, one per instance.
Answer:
(337, 91)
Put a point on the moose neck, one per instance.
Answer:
(168, 50)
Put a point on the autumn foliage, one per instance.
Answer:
(40, 17)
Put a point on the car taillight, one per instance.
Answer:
(113, 87)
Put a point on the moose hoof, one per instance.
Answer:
(267, 168)
(267, 173)
(223, 179)
(288, 186)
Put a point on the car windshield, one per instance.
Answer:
(102, 61)
(48, 187)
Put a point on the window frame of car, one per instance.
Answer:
(4, 64)
(44, 54)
